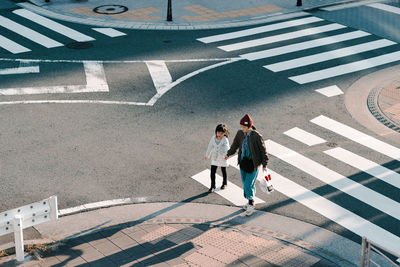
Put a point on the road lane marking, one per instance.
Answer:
(329, 55)
(384, 7)
(346, 68)
(232, 193)
(159, 74)
(28, 33)
(304, 137)
(357, 136)
(281, 37)
(53, 25)
(330, 91)
(23, 68)
(365, 165)
(304, 45)
(330, 177)
(12, 46)
(109, 32)
(257, 30)
(348, 5)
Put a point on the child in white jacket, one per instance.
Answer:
(217, 149)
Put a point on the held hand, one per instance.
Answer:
(206, 158)
(264, 169)
(226, 157)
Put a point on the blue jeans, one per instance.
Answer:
(249, 183)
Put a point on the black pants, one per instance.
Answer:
(213, 171)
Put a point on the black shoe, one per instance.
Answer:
(211, 190)
(224, 186)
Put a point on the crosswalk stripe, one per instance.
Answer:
(346, 68)
(109, 32)
(262, 29)
(28, 33)
(281, 37)
(335, 179)
(336, 213)
(12, 46)
(304, 45)
(53, 25)
(159, 74)
(384, 7)
(232, 193)
(304, 137)
(325, 56)
(357, 136)
(365, 165)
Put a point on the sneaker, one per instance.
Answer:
(211, 190)
(249, 210)
(270, 189)
(245, 207)
(224, 186)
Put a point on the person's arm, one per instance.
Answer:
(235, 145)
(263, 151)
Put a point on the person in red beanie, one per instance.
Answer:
(252, 153)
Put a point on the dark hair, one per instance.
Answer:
(223, 129)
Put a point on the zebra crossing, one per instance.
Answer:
(358, 50)
(16, 21)
(329, 174)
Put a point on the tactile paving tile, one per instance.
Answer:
(159, 233)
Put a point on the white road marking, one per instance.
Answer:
(329, 55)
(53, 25)
(357, 136)
(95, 79)
(304, 137)
(257, 30)
(109, 32)
(330, 91)
(159, 73)
(336, 213)
(365, 165)
(27, 102)
(281, 37)
(12, 46)
(20, 70)
(304, 45)
(344, 184)
(113, 61)
(232, 193)
(384, 7)
(28, 33)
(346, 68)
(349, 5)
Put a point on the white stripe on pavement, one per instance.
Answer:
(329, 55)
(365, 165)
(304, 45)
(335, 179)
(52, 25)
(20, 70)
(12, 46)
(257, 30)
(304, 137)
(159, 73)
(346, 68)
(109, 32)
(336, 213)
(281, 37)
(384, 7)
(357, 136)
(330, 91)
(348, 5)
(28, 33)
(232, 193)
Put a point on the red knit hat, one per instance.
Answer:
(246, 121)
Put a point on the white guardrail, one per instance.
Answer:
(16, 220)
(367, 246)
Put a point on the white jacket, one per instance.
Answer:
(218, 152)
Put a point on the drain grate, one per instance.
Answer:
(79, 45)
(110, 9)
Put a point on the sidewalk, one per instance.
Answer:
(187, 234)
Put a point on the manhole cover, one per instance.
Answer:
(79, 45)
(110, 9)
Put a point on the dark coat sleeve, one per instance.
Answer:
(235, 145)
(263, 151)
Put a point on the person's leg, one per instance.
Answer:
(243, 177)
(225, 178)
(212, 176)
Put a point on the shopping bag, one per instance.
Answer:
(266, 183)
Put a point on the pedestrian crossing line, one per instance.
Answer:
(330, 91)
(109, 32)
(365, 165)
(20, 70)
(28, 33)
(304, 137)
(281, 37)
(335, 179)
(357, 136)
(329, 55)
(12, 46)
(304, 45)
(385, 7)
(335, 213)
(53, 25)
(346, 68)
(232, 193)
(257, 30)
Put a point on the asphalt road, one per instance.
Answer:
(88, 152)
